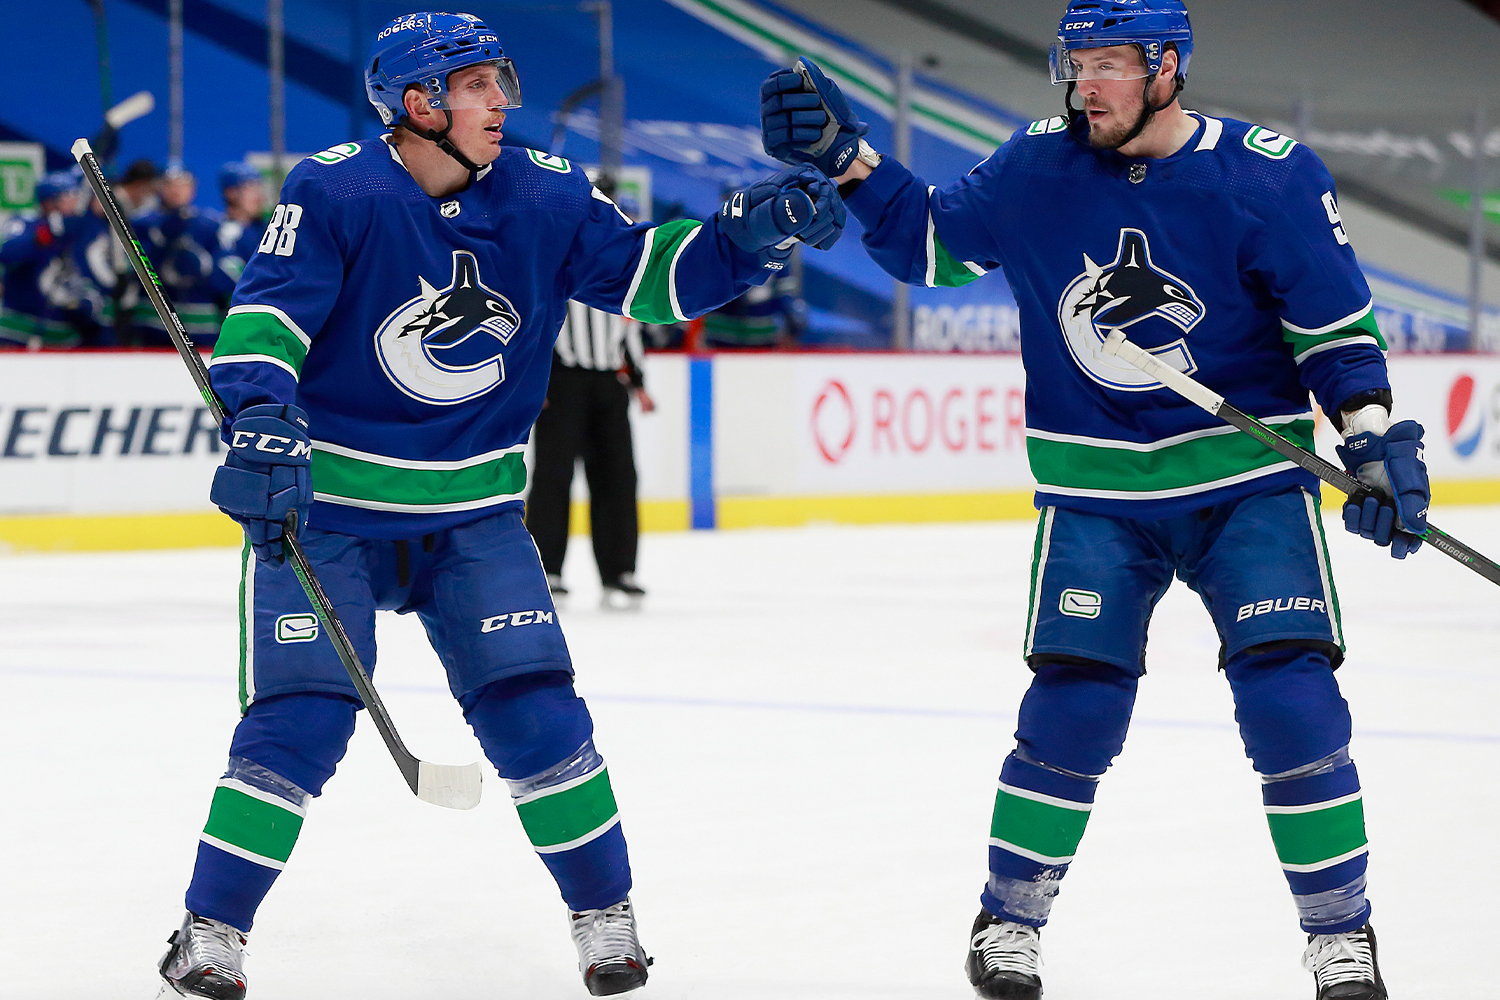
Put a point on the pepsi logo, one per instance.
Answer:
(1465, 416)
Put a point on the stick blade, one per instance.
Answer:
(128, 110)
(453, 786)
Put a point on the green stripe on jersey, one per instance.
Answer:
(653, 294)
(1191, 466)
(948, 271)
(1319, 837)
(1040, 829)
(572, 815)
(367, 482)
(1361, 325)
(260, 334)
(252, 825)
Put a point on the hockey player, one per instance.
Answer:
(1217, 245)
(31, 252)
(388, 346)
(183, 244)
(244, 192)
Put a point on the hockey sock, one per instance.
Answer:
(252, 826)
(570, 816)
(539, 736)
(1040, 815)
(284, 750)
(1318, 826)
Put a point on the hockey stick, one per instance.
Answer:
(1200, 395)
(456, 786)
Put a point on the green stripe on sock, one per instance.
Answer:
(653, 299)
(1310, 838)
(252, 825)
(571, 814)
(1048, 830)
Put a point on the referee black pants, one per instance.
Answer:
(587, 416)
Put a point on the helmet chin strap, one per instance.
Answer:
(1147, 111)
(441, 140)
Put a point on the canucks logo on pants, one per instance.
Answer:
(443, 347)
(1120, 294)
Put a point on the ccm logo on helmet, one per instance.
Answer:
(1076, 25)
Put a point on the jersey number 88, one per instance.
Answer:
(281, 233)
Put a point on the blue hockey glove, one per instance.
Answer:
(770, 214)
(805, 118)
(266, 474)
(1391, 465)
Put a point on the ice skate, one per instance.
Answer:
(1003, 959)
(609, 953)
(206, 959)
(555, 585)
(1344, 965)
(622, 594)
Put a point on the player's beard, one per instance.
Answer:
(1120, 124)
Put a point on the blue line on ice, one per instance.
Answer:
(73, 673)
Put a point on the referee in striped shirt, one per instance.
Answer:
(597, 366)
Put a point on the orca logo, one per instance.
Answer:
(1128, 290)
(443, 347)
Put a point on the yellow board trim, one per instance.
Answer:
(117, 532)
(128, 532)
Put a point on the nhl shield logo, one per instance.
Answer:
(1128, 290)
(444, 346)
(449, 209)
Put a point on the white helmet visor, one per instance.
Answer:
(1121, 61)
(483, 86)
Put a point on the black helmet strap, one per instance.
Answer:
(441, 140)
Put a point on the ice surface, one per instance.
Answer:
(804, 728)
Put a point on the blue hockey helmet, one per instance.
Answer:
(422, 49)
(238, 173)
(1147, 24)
(58, 183)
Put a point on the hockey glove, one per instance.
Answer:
(1389, 461)
(266, 474)
(770, 214)
(805, 118)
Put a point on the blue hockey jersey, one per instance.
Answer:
(184, 247)
(29, 249)
(417, 332)
(1228, 260)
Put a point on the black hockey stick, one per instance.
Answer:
(456, 786)
(1200, 395)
